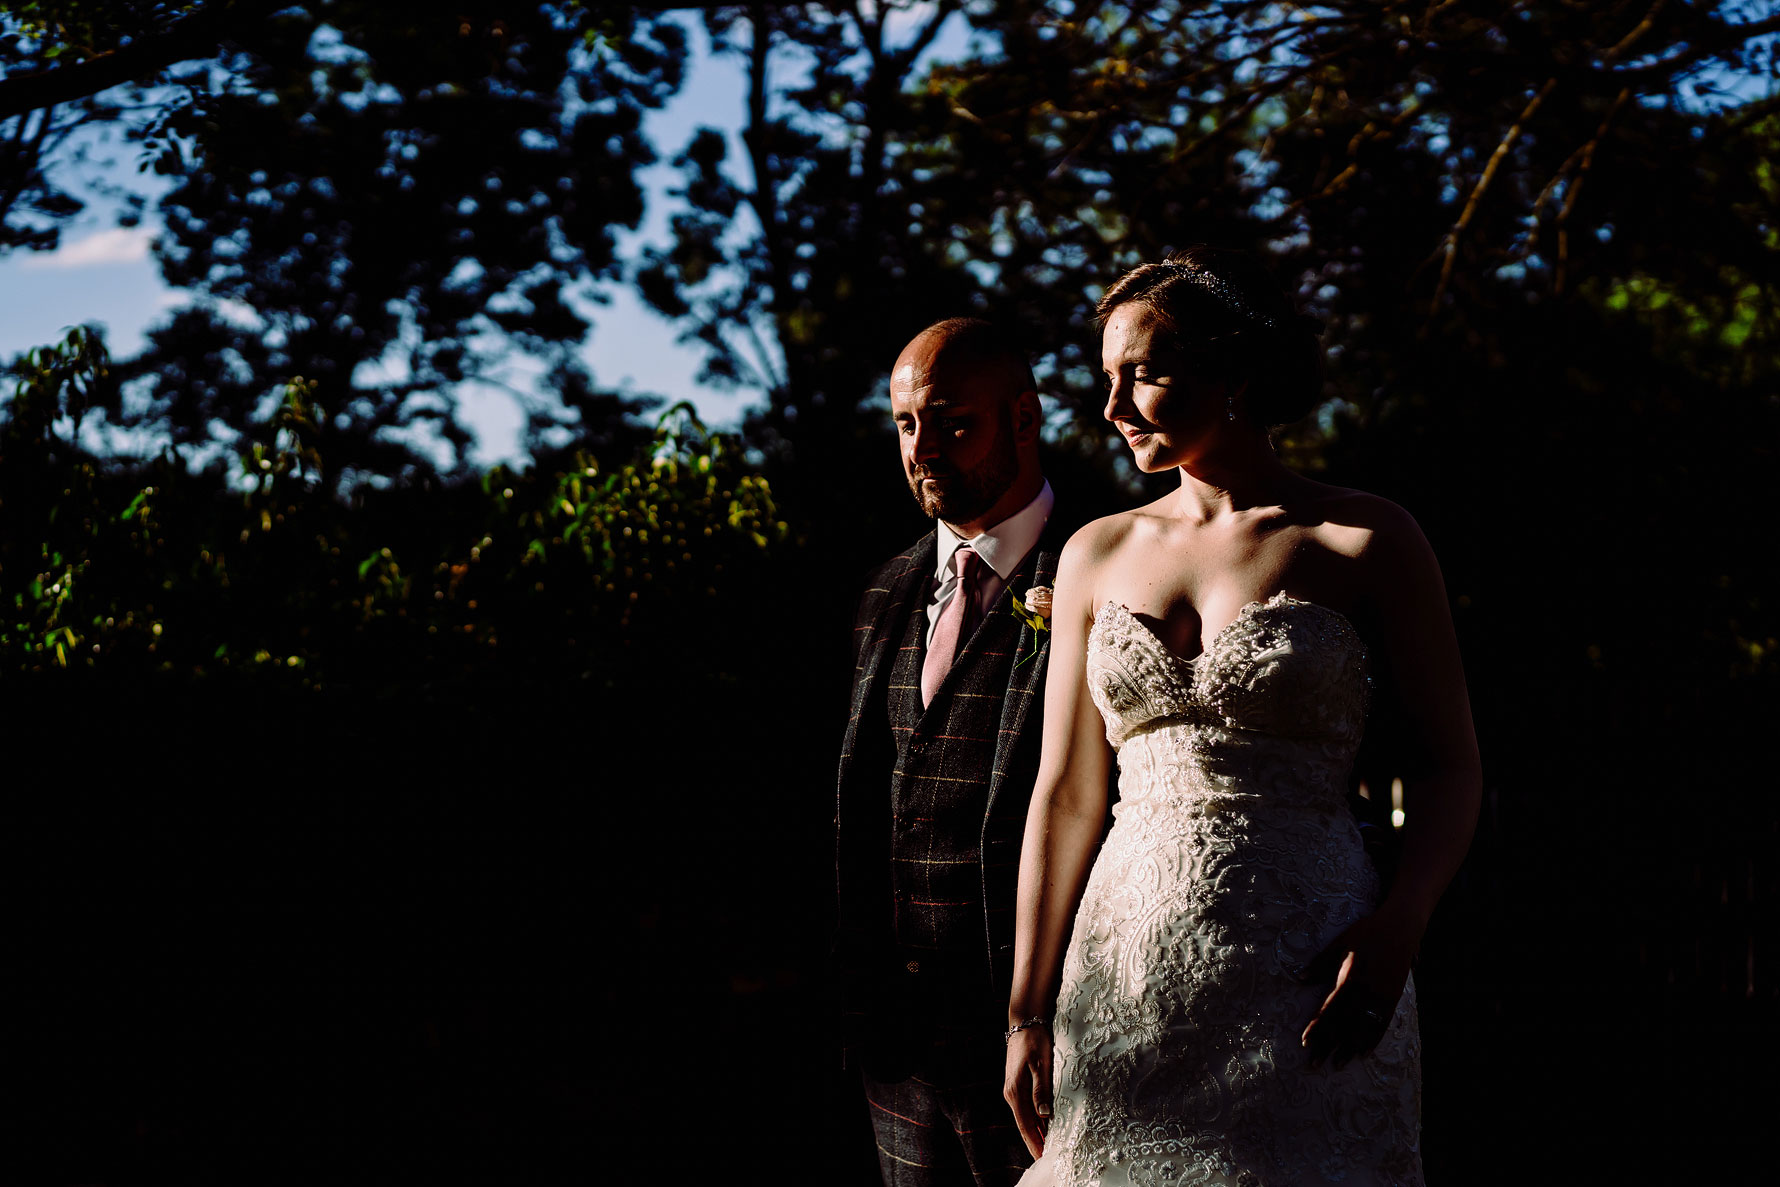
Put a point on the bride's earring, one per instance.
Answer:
(1230, 407)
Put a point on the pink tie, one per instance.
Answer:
(953, 627)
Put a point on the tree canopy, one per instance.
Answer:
(1410, 170)
(330, 219)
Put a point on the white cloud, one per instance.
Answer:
(116, 245)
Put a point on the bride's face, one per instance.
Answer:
(1164, 407)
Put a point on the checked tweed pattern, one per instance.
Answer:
(931, 803)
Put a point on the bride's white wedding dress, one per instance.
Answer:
(1232, 861)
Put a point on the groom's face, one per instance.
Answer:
(954, 419)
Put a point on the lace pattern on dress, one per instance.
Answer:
(1232, 861)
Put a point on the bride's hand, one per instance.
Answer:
(1369, 964)
(1027, 1086)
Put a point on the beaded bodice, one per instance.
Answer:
(1273, 708)
(1232, 862)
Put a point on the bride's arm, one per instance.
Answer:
(1443, 787)
(1062, 831)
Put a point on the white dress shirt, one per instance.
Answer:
(1001, 549)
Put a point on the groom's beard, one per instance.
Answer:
(971, 493)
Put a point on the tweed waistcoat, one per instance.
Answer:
(971, 757)
(939, 790)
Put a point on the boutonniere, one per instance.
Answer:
(1035, 612)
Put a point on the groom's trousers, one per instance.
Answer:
(944, 1133)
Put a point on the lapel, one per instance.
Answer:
(898, 592)
(1025, 680)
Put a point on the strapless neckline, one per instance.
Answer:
(1243, 613)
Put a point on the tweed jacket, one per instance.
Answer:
(968, 759)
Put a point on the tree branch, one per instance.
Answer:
(774, 380)
(1638, 31)
(1259, 96)
(871, 32)
(24, 162)
(1451, 246)
(765, 196)
(1588, 158)
(907, 54)
(1732, 37)
(197, 36)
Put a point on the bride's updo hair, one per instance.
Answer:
(1224, 302)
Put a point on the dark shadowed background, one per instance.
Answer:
(376, 816)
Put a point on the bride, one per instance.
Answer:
(1233, 1004)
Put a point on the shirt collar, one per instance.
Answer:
(1003, 546)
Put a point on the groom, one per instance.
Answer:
(939, 760)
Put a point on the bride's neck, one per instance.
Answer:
(1238, 475)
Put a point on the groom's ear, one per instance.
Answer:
(1028, 417)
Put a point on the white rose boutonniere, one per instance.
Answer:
(1035, 612)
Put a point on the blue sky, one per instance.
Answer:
(105, 273)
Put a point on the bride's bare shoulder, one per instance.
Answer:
(1101, 538)
(1357, 523)
(1093, 549)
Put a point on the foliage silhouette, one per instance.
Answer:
(582, 575)
(390, 200)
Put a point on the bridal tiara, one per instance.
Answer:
(1219, 290)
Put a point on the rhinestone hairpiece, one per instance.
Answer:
(1219, 291)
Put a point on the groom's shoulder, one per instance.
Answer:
(885, 574)
(878, 583)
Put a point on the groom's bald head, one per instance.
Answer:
(967, 418)
(987, 352)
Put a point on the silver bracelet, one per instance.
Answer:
(1035, 1020)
